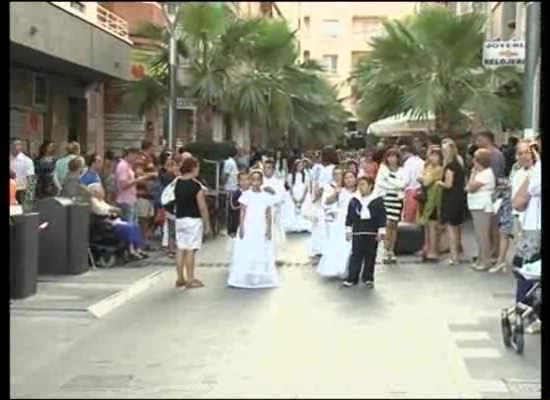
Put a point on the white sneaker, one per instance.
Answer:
(534, 328)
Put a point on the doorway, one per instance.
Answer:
(77, 121)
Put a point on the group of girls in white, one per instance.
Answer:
(346, 211)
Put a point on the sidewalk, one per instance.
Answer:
(94, 293)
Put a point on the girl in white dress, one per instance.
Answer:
(296, 199)
(322, 177)
(253, 263)
(334, 262)
(276, 188)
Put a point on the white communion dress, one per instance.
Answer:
(279, 235)
(319, 228)
(334, 263)
(292, 217)
(253, 261)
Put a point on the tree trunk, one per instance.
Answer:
(442, 123)
(204, 124)
(153, 131)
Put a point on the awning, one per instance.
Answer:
(405, 124)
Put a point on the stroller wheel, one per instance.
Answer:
(106, 261)
(518, 334)
(506, 329)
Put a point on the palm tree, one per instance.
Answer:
(431, 64)
(242, 67)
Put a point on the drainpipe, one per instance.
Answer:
(531, 78)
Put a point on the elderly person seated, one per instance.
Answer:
(128, 233)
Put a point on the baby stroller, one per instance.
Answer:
(528, 305)
(106, 248)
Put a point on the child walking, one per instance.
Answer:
(365, 218)
(253, 261)
(234, 214)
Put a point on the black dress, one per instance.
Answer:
(453, 204)
(234, 216)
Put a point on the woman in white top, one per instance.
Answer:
(391, 185)
(527, 201)
(481, 189)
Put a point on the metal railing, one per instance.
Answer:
(112, 23)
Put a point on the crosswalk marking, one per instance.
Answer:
(470, 335)
(479, 353)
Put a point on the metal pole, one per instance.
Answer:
(172, 113)
(532, 54)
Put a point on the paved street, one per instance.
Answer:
(426, 330)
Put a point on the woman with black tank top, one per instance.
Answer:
(192, 222)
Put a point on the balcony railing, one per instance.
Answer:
(99, 16)
(112, 23)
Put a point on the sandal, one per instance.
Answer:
(181, 283)
(195, 284)
(135, 257)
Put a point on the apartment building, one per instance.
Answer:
(505, 19)
(338, 34)
(268, 9)
(125, 127)
(61, 53)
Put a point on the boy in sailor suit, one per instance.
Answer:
(365, 221)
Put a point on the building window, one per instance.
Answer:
(368, 27)
(78, 5)
(306, 55)
(306, 25)
(39, 91)
(330, 63)
(331, 28)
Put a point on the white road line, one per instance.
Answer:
(483, 353)
(470, 335)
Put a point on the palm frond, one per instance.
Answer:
(430, 63)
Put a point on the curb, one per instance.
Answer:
(105, 306)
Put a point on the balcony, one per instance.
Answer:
(97, 15)
(112, 23)
(80, 39)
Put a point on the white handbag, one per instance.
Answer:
(169, 193)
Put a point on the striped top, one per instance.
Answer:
(390, 183)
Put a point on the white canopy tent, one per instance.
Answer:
(405, 124)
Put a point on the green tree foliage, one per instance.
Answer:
(244, 67)
(431, 63)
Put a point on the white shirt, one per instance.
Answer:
(278, 186)
(412, 170)
(531, 220)
(517, 179)
(23, 168)
(316, 172)
(325, 175)
(482, 200)
(231, 170)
